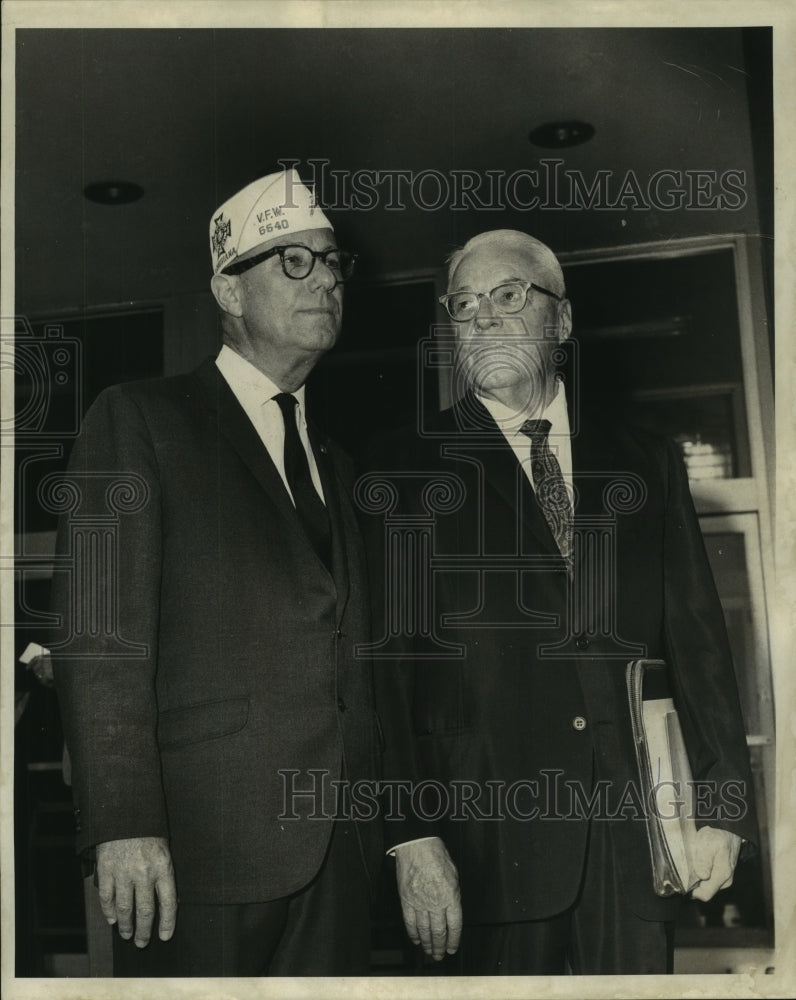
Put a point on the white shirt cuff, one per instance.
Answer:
(418, 840)
(32, 651)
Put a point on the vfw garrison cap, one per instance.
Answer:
(272, 207)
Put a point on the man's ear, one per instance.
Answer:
(226, 289)
(564, 320)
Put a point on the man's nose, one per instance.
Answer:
(323, 276)
(486, 316)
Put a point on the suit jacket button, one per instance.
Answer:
(579, 723)
(582, 642)
(341, 704)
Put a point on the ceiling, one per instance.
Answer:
(192, 115)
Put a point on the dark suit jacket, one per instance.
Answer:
(244, 642)
(512, 708)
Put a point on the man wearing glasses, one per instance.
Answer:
(228, 675)
(569, 547)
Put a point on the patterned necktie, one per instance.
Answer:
(549, 485)
(309, 506)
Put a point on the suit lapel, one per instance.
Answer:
(231, 420)
(503, 473)
(333, 492)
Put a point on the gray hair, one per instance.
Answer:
(514, 239)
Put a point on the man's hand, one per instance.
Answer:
(428, 885)
(715, 860)
(131, 873)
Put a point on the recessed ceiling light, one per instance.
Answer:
(558, 135)
(113, 192)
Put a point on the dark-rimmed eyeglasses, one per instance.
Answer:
(509, 298)
(298, 261)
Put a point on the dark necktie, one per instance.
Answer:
(309, 506)
(549, 485)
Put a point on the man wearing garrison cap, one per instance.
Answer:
(228, 682)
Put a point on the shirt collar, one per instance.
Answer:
(243, 377)
(510, 421)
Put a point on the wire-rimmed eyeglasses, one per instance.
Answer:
(298, 261)
(509, 297)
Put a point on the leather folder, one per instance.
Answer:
(665, 777)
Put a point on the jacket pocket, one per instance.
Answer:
(207, 720)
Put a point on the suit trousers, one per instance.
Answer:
(321, 930)
(598, 935)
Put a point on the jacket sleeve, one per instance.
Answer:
(106, 594)
(698, 652)
(394, 677)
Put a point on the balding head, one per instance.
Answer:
(543, 263)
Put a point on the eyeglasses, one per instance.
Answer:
(507, 298)
(298, 261)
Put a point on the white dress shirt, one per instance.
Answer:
(510, 421)
(255, 392)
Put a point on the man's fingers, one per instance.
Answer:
(439, 933)
(130, 872)
(107, 896)
(410, 922)
(424, 929)
(454, 918)
(703, 868)
(124, 909)
(721, 876)
(144, 912)
(707, 890)
(167, 906)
